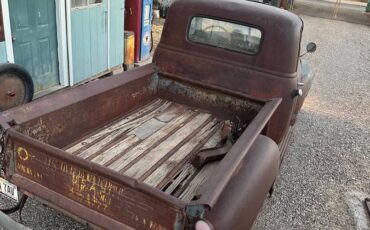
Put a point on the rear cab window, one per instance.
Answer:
(223, 34)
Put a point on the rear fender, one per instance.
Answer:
(238, 206)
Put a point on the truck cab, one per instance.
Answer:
(193, 140)
(242, 46)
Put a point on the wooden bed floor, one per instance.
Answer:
(154, 144)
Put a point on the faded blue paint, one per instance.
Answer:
(90, 38)
(89, 41)
(3, 57)
(116, 32)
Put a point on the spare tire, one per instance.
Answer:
(16, 86)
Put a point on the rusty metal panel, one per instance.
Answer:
(271, 73)
(121, 199)
(107, 99)
(208, 97)
(211, 190)
(281, 32)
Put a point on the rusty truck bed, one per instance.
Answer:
(153, 144)
(119, 152)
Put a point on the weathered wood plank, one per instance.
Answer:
(104, 157)
(137, 135)
(184, 177)
(99, 134)
(151, 141)
(148, 110)
(174, 111)
(118, 139)
(200, 178)
(213, 141)
(164, 169)
(187, 145)
(148, 128)
(167, 145)
(119, 130)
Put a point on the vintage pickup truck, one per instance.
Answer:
(192, 141)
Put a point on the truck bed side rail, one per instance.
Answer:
(212, 189)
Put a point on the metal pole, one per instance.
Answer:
(368, 6)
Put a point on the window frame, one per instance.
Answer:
(88, 5)
(2, 34)
(229, 21)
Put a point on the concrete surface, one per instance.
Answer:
(348, 11)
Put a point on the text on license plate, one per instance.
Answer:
(9, 189)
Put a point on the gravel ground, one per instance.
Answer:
(326, 172)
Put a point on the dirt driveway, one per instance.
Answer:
(326, 173)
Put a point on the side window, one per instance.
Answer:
(225, 35)
(84, 3)
(2, 37)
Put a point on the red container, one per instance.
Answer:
(133, 22)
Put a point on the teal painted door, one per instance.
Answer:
(89, 32)
(3, 57)
(33, 25)
(116, 37)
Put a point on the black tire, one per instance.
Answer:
(19, 75)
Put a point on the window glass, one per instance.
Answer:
(94, 1)
(225, 35)
(82, 3)
(79, 3)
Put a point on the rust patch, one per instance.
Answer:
(101, 194)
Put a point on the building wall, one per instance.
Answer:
(89, 42)
(3, 57)
(116, 32)
(89, 34)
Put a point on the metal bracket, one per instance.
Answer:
(194, 213)
(19, 206)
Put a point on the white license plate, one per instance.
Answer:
(9, 189)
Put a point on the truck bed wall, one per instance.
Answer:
(225, 106)
(88, 107)
(92, 106)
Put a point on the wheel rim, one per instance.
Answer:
(12, 91)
